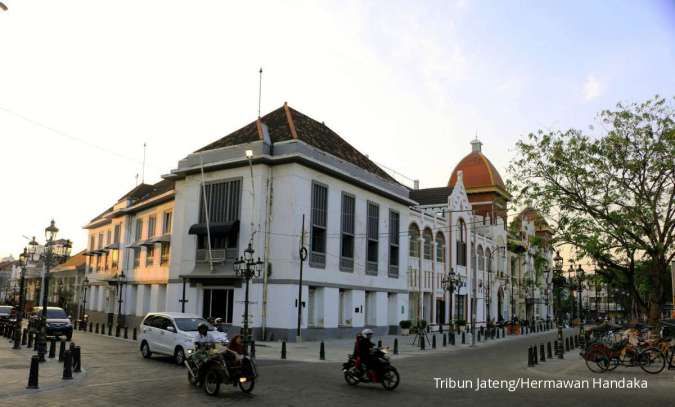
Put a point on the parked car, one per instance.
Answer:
(172, 334)
(58, 322)
(7, 313)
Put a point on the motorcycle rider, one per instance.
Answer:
(365, 348)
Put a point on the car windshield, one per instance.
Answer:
(56, 313)
(191, 324)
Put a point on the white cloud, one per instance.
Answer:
(592, 87)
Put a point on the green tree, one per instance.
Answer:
(612, 194)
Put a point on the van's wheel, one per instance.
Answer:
(212, 382)
(247, 386)
(179, 356)
(145, 350)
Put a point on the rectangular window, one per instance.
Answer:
(372, 238)
(149, 256)
(440, 251)
(151, 226)
(107, 238)
(114, 254)
(92, 243)
(223, 202)
(347, 233)
(137, 256)
(317, 257)
(116, 235)
(461, 253)
(164, 256)
(394, 228)
(100, 241)
(218, 304)
(139, 229)
(166, 225)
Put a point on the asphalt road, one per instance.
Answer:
(116, 375)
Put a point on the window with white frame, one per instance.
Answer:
(347, 232)
(394, 239)
(372, 237)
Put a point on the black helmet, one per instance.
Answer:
(203, 328)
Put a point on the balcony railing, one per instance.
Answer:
(217, 255)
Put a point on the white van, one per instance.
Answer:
(172, 334)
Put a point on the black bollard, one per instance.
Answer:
(96, 330)
(542, 353)
(67, 366)
(252, 352)
(549, 351)
(445, 340)
(109, 329)
(530, 359)
(452, 339)
(52, 349)
(423, 342)
(283, 349)
(77, 360)
(497, 333)
(91, 327)
(440, 328)
(33, 374)
(561, 350)
(534, 354)
(322, 352)
(395, 346)
(126, 333)
(30, 339)
(379, 343)
(24, 337)
(62, 349)
(135, 335)
(35, 342)
(433, 341)
(567, 344)
(463, 337)
(117, 331)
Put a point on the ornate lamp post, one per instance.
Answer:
(85, 286)
(572, 286)
(120, 279)
(580, 289)
(55, 251)
(23, 260)
(558, 285)
(451, 282)
(501, 250)
(247, 268)
(547, 276)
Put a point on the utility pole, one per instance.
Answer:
(303, 256)
(474, 275)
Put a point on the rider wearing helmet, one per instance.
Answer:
(365, 349)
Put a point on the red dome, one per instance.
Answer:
(478, 172)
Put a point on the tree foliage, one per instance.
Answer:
(611, 195)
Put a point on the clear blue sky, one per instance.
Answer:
(408, 83)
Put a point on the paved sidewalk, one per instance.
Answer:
(15, 368)
(336, 350)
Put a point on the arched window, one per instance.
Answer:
(481, 258)
(428, 244)
(461, 243)
(414, 236)
(440, 247)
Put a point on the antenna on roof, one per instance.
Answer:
(136, 179)
(143, 168)
(259, 90)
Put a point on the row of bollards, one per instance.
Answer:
(558, 348)
(71, 358)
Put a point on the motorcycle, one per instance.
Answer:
(355, 372)
(221, 368)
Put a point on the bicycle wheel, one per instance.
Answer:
(598, 364)
(652, 360)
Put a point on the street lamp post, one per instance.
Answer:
(451, 282)
(580, 288)
(23, 259)
(120, 280)
(558, 284)
(54, 251)
(85, 286)
(571, 281)
(247, 268)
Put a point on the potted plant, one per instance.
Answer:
(405, 326)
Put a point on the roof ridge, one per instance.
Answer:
(289, 118)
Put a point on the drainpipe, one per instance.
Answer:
(268, 221)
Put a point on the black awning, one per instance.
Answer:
(215, 228)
